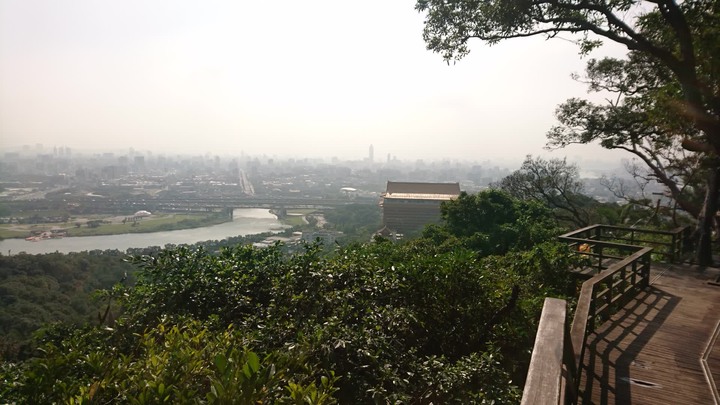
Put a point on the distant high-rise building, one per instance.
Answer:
(371, 153)
(139, 162)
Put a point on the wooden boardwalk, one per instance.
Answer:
(661, 348)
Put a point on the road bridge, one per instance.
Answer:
(225, 204)
(189, 204)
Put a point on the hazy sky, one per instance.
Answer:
(316, 78)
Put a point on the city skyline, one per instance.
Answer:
(316, 79)
(587, 164)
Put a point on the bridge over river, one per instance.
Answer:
(193, 204)
(216, 204)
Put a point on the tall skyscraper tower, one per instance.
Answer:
(371, 153)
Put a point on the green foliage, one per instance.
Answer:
(663, 109)
(40, 289)
(170, 363)
(430, 321)
(356, 221)
(663, 104)
(493, 222)
(5, 211)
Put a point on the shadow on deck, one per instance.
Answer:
(642, 333)
(655, 349)
(612, 350)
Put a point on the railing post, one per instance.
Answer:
(623, 284)
(633, 258)
(673, 248)
(572, 379)
(645, 270)
(681, 243)
(591, 313)
(687, 243)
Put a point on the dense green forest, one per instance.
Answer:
(39, 289)
(356, 221)
(447, 317)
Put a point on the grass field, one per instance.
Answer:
(301, 211)
(155, 223)
(293, 220)
(296, 217)
(6, 233)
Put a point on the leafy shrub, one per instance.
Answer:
(177, 362)
(430, 321)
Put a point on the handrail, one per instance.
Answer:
(674, 244)
(600, 251)
(544, 384)
(600, 297)
(621, 283)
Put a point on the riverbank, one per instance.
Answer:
(99, 225)
(300, 217)
(246, 221)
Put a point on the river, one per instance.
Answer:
(246, 221)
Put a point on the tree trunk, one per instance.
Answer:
(707, 218)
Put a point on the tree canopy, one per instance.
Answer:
(39, 289)
(493, 222)
(415, 322)
(635, 24)
(553, 182)
(681, 41)
(667, 90)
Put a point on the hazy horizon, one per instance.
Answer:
(317, 79)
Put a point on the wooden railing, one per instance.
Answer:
(604, 242)
(556, 363)
(552, 364)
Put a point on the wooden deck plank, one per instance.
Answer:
(651, 351)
